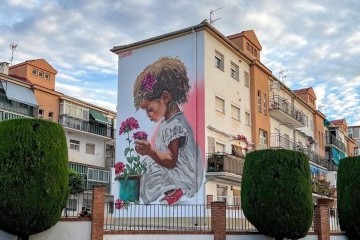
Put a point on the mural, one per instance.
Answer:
(159, 158)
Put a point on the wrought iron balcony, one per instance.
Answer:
(223, 164)
(16, 107)
(285, 112)
(95, 128)
(332, 140)
(280, 141)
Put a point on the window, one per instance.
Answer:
(74, 145)
(47, 76)
(235, 112)
(247, 119)
(90, 148)
(219, 104)
(255, 52)
(259, 101)
(50, 116)
(264, 104)
(219, 60)
(246, 79)
(98, 175)
(234, 71)
(41, 74)
(41, 113)
(248, 46)
(262, 137)
(220, 147)
(35, 71)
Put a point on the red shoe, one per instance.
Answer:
(173, 197)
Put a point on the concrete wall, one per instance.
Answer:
(79, 230)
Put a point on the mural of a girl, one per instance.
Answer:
(174, 162)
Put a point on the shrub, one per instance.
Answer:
(348, 196)
(276, 194)
(33, 175)
(76, 183)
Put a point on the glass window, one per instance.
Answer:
(35, 71)
(219, 104)
(246, 79)
(74, 145)
(234, 71)
(41, 74)
(235, 112)
(264, 104)
(247, 119)
(259, 101)
(47, 76)
(219, 60)
(262, 137)
(220, 147)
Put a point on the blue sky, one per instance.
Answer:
(317, 42)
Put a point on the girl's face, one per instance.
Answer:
(155, 109)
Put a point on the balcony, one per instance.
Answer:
(280, 141)
(78, 124)
(16, 107)
(286, 113)
(225, 166)
(332, 140)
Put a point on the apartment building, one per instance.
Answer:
(354, 134)
(27, 90)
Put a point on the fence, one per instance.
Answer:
(158, 217)
(78, 203)
(334, 220)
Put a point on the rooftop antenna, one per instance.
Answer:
(282, 75)
(13, 47)
(211, 15)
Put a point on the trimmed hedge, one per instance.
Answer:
(276, 194)
(33, 175)
(348, 196)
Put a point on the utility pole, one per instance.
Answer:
(13, 47)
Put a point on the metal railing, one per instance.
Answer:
(158, 217)
(236, 220)
(277, 102)
(223, 162)
(99, 129)
(16, 107)
(334, 220)
(331, 139)
(76, 203)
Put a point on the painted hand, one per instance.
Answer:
(142, 147)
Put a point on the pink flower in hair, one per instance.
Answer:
(148, 82)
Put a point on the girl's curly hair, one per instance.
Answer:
(166, 74)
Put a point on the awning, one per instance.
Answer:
(19, 93)
(98, 116)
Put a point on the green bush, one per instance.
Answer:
(276, 194)
(33, 175)
(76, 184)
(348, 196)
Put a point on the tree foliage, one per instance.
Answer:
(33, 175)
(348, 195)
(276, 194)
(76, 183)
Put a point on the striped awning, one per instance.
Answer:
(19, 93)
(98, 116)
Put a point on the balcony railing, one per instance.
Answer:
(279, 103)
(280, 141)
(223, 162)
(230, 200)
(16, 107)
(331, 139)
(75, 123)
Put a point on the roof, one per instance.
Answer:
(250, 35)
(40, 63)
(308, 90)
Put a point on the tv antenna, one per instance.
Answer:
(211, 15)
(282, 74)
(13, 47)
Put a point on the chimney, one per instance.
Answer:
(4, 68)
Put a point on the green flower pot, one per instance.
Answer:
(130, 189)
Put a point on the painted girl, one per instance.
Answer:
(174, 162)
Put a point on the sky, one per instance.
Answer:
(314, 43)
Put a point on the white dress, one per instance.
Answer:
(188, 172)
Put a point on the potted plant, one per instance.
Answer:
(129, 174)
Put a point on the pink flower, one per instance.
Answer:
(148, 83)
(141, 135)
(119, 168)
(128, 125)
(119, 204)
